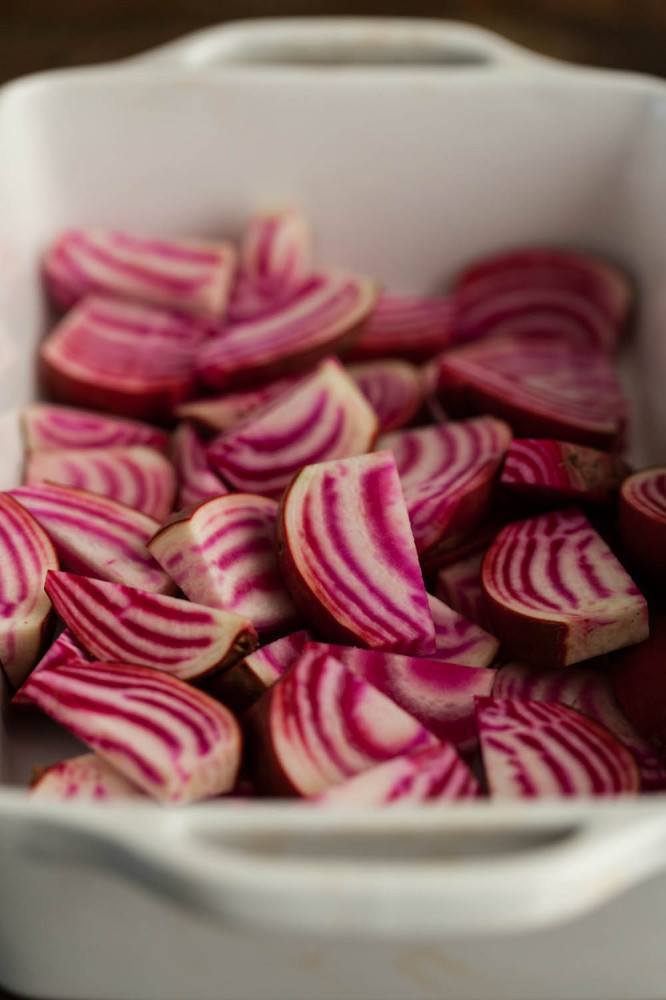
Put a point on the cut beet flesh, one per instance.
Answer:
(459, 640)
(393, 388)
(222, 554)
(324, 417)
(321, 724)
(87, 778)
(348, 555)
(185, 274)
(221, 413)
(559, 471)
(96, 536)
(556, 594)
(405, 326)
(447, 474)
(459, 585)
(64, 649)
(245, 682)
(437, 774)
(643, 519)
(114, 622)
(48, 427)
(173, 741)
(196, 480)
(638, 677)
(533, 749)
(134, 475)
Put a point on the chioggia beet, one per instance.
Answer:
(643, 519)
(221, 413)
(638, 678)
(405, 326)
(245, 682)
(393, 388)
(196, 480)
(87, 778)
(63, 649)
(459, 640)
(540, 469)
(49, 427)
(459, 586)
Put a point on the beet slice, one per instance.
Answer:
(114, 622)
(559, 471)
(440, 695)
(348, 556)
(196, 480)
(48, 427)
(393, 388)
(459, 640)
(26, 556)
(64, 649)
(447, 475)
(459, 585)
(437, 774)
(96, 536)
(87, 778)
(321, 317)
(542, 385)
(222, 554)
(221, 413)
(243, 684)
(134, 475)
(532, 749)
(405, 326)
(123, 357)
(324, 417)
(638, 678)
(643, 518)
(321, 724)
(556, 594)
(185, 274)
(175, 742)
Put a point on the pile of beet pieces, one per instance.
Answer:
(340, 609)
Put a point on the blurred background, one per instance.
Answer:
(40, 34)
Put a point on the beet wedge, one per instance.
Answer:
(196, 480)
(324, 417)
(589, 691)
(393, 388)
(87, 778)
(544, 470)
(49, 427)
(222, 554)
(135, 475)
(348, 556)
(436, 774)
(26, 556)
(321, 724)
(439, 695)
(542, 385)
(459, 586)
(173, 741)
(184, 274)
(114, 622)
(96, 536)
(322, 316)
(405, 326)
(459, 640)
(221, 413)
(130, 359)
(638, 680)
(245, 682)
(643, 519)
(448, 474)
(556, 594)
(64, 649)
(536, 750)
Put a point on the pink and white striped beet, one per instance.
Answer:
(48, 427)
(221, 413)
(87, 778)
(175, 742)
(542, 385)
(448, 474)
(196, 480)
(459, 640)
(325, 314)
(405, 326)
(436, 774)
(26, 556)
(123, 357)
(222, 554)
(638, 680)
(324, 417)
(588, 691)
(643, 518)
(96, 536)
(245, 682)
(542, 469)
(192, 275)
(321, 724)
(459, 586)
(556, 594)
(393, 388)
(135, 475)
(348, 556)
(114, 622)
(64, 649)
(536, 750)
(440, 695)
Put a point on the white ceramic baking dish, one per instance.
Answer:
(414, 146)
